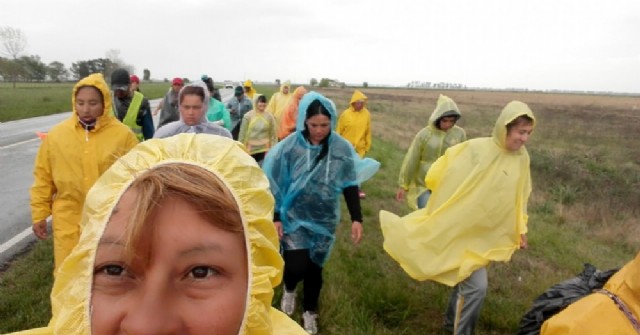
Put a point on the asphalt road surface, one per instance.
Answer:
(18, 148)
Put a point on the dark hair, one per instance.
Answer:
(446, 114)
(192, 90)
(522, 119)
(261, 98)
(316, 108)
(209, 83)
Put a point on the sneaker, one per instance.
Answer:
(310, 320)
(288, 302)
(362, 195)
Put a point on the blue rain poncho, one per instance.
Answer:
(308, 194)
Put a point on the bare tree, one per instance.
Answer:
(13, 42)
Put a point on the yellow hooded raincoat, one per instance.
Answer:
(476, 213)
(279, 102)
(71, 294)
(252, 91)
(429, 144)
(69, 161)
(597, 314)
(355, 126)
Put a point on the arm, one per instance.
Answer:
(367, 134)
(226, 118)
(409, 166)
(244, 126)
(42, 190)
(158, 108)
(352, 199)
(273, 138)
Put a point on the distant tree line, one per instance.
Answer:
(15, 67)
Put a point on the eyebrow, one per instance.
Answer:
(202, 248)
(109, 240)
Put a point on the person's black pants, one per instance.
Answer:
(299, 267)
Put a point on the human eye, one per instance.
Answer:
(202, 272)
(110, 270)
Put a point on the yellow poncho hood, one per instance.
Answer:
(71, 294)
(596, 313)
(252, 91)
(476, 213)
(95, 80)
(357, 96)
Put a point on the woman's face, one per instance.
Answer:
(195, 281)
(191, 109)
(89, 105)
(518, 135)
(319, 127)
(261, 106)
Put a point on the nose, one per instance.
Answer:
(152, 313)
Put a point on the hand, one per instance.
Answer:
(400, 194)
(40, 229)
(356, 232)
(278, 225)
(524, 243)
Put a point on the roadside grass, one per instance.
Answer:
(583, 208)
(38, 99)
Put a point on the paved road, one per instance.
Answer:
(18, 147)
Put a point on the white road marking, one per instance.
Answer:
(19, 143)
(15, 240)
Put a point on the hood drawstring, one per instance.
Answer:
(87, 127)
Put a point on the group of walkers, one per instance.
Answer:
(192, 231)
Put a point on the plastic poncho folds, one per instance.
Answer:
(69, 161)
(429, 144)
(252, 91)
(355, 126)
(279, 101)
(258, 130)
(476, 213)
(218, 112)
(71, 294)
(307, 193)
(290, 114)
(597, 313)
(204, 126)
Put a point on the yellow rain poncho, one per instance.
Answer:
(251, 92)
(258, 130)
(597, 314)
(476, 213)
(71, 294)
(69, 161)
(429, 144)
(355, 126)
(279, 102)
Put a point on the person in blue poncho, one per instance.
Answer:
(307, 172)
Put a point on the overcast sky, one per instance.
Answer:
(536, 44)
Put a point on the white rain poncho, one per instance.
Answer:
(204, 127)
(307, 193)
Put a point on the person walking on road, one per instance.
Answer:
(354, 125)
(258, 130)
(238, 106)
(430, 143)
(168, 107)
(477, 213)
(71, 158)
(130, 106)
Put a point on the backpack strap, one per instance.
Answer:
(623, 307)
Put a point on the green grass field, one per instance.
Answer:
(586, 179)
